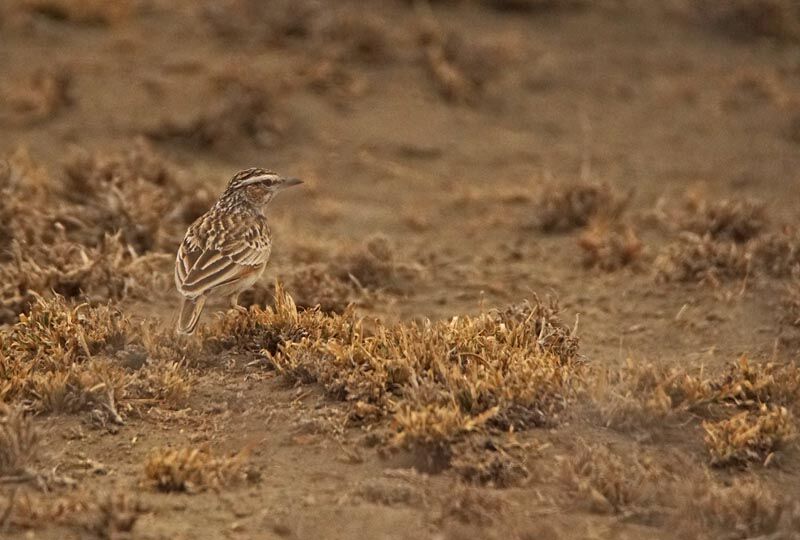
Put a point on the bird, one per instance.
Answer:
(226, 250)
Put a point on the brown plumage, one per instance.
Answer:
(226, 249)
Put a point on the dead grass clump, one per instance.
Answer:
(777, 19)
(164, 381)
(744, 509)
(246, 111)
(749, 437)
(98, 235)
(19, 440)
(24, 197)
(489, 462)
(59, 358)
(725, 220)
(474, 506)
(607, 483)
(48, 357)
(694, 258)
(438, 381)
(193, 469)
(315, 285)
(117, 515)
(562, 208)
(42, 95)
(375, 265)
(109, 271)
(135, 192)
(109, 516)
(610, 248)
(463, 68)
(777, 254)
(270, 329)
(643, 394)
(755, 385)
(352, 275)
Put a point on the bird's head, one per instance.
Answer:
(259, 185)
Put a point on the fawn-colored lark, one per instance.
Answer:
(226, 249)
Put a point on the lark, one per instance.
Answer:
(226, 250)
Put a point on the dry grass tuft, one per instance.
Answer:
(694, 258)
(193, 469)
(744, 509)
(19, 440)
(270, 329)
(749, 437)
(607, 483)
(117, 515)
(315, 285)
(610, 247)
(246, 111)
(755, 385)
(135, 192)
(488, 461)
(436, 381)
(725, 220)
(778, 253)
(431, 383)
(562, 208)
(643, 394)
(464, 68)
(64, 358)
(375, 265)
(350, 276)
(101, 234)
(474, 506)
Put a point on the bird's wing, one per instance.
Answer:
(213, 257)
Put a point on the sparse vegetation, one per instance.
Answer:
(19, 440)
(610, 248)
(728, 219)
(749, 437)
(58, 357)
(437, 382)
(246, 111)
(193, 469)
(562, 208)
(694, 258)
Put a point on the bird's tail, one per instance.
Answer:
(190, 314)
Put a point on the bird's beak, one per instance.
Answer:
(288, 182)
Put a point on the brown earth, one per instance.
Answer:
(457, 157)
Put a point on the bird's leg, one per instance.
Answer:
(234, 301)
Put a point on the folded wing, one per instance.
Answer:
(202, 267)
